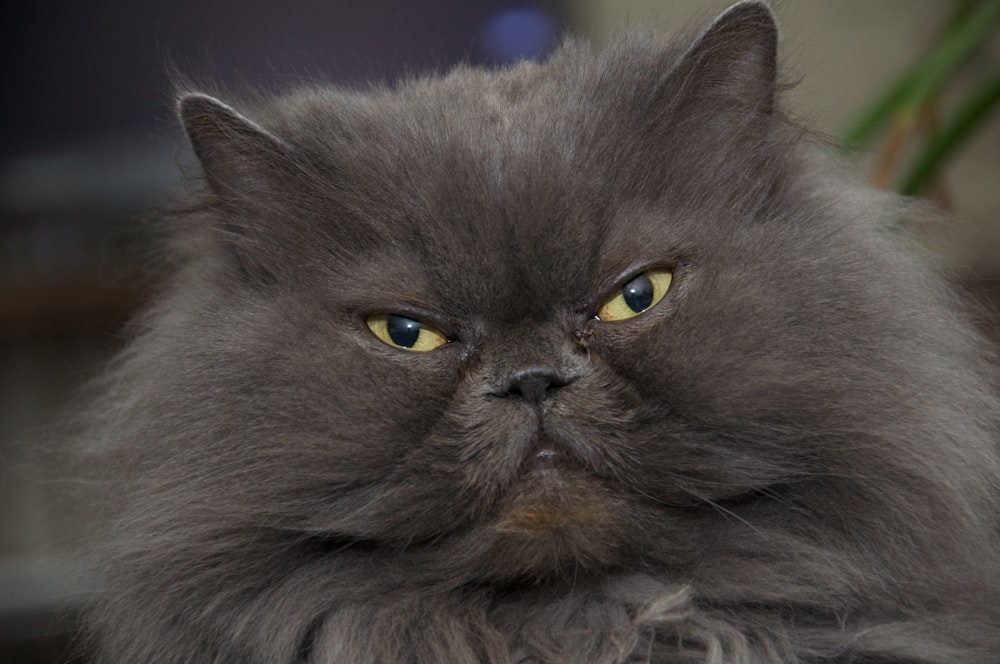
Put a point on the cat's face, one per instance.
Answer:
(567, 316)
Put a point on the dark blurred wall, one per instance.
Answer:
(79, 70)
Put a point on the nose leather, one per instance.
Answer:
(534, 384)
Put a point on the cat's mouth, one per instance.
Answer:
(551, 501)
(556, 518)
(548, 456)
(554, 490)
(557, 515)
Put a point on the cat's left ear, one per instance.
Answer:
(732, 67)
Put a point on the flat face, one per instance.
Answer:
(547, 313)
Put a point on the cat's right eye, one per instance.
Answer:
(405, 333)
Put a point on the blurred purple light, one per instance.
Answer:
(518, 34)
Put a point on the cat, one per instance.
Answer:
(591, 360)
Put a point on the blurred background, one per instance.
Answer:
(89, 144)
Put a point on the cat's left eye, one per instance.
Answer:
(635, 297)
(405, 333)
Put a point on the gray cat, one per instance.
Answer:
(586, 361)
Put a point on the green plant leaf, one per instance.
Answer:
(969, 116)
(970, 26)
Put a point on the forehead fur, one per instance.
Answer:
(571, 167)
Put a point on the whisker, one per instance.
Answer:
(724, 511)
(703, 500)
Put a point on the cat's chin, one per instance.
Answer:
(557, 521)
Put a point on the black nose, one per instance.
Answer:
(534, 384)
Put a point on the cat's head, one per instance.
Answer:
(597, 312)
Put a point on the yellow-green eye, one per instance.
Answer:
(405, 333)
(636, 296)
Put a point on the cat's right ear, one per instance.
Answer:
(234, 152)
(243, 165)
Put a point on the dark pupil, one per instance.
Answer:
(403, 331)
(638, 293)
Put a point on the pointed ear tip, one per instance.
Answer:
(752, 7)
(753, 20)
(758, 11)
(203, 112)
(189, 103)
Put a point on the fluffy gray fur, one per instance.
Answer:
(791, 458)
